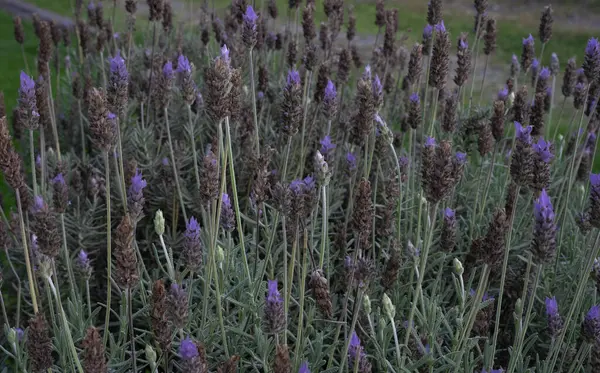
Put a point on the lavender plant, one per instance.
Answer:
(211, 204)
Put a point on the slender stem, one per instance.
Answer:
(131, 331)
(562, 108)
(66, 328)
(299, 335)
(108, 250)
(151, 66)
(324, 227)
(43, 161)
(252, 85)
(193, 141)
(503, 277)
(26, 253)
(219, 307)
(487, 182)
(434, 112)
(168, 257)
(173, 164)
(307, 79)
(33, 168)
(421, 275)
(287, 157)
(476, 52)
(552, 94)
(121, 173)
(89, 299)
(398, 355)
(67, 258)
(236, 199)
(487, 59)
(82, 132)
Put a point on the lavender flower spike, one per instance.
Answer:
(168, 70)
(192, 246)
(595, 200)
(523, 133)
(27, 102)
(356, 355)
(326, 145)
(555, 322)
(543, 148)
(274, 316)
(183, 65)
(329, 100)
(188, 349)
(591, 61)
(590, 329)
(135, 195)
(249, 31)
(250, 16)
(304, 368)
(492, 371)
(440, 27)
(351, 161)
(293, 78)
(227, 214)
(118, 68)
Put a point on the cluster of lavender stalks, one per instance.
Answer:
(258, 199)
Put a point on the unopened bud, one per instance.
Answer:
(11, 336)
(220, 255)
(151, 355)
(159, 223)
(458, 267)
(388, 307)
(367, 304)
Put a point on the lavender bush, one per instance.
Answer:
(254, 199)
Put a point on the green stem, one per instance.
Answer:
(299, 335)
(487, 59)
(67, 259)
(252, 86)
(26, 253)
(108, 250)
(503, 277)
(173, 164)
(66, 328)
(193, 141)
(324, 227)
(236, 199)
(82, 132)
(131, 331)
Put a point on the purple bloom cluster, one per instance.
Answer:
(427, 32)
(274, 316)
(327, 146)
(250, 17)
(183, 65)
(227, 215)
(188, 349)
(503, 94)
(523, 133)
(555, 322)
(135, 195)
(293, 78)
(118, 70)
(304, 368)
(357, 355)
(27, 102)
(590, 329)
(591, 61)
(351, 161)
(528, 40)
(168, 70)
(543, 149)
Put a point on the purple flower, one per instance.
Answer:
(528, 40)
(273, 295)
(309, 183)
(377, 87)
(225, 54)
(429, 141)
(59, 179)
(367, 73)
(356, 353)
(440, 27)
(330, 91)
(486, 297)
(165, 161)
(304, 368)
(293, 78)
(188, 349)
(168, 70)
(551, 307)
(545, 73)
(463, 44)
(91, 6)
(427, 31)
(250, 17)
(404, 161)
(183, 65)
(595, 180)
(449, 213)
(111, 116)
(227, 215)
(591, 325)
(27, 101)
(503, 94)
(260, 95)
(83, 259)
(593, 47)
(118, 70)
(137, 183)
(39, 205)
(414, 98)
(461, 157)
(192, 230)
(542, 208)
(20, 334)
(542, 148)
(326, 145)
(523, 133)
(535, 64)
(351, 161)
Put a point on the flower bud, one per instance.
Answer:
(388, 307)
(220, 255)
(367, 304)
(159, 223)
(11, 336)
(458, 267)
(151, 355)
